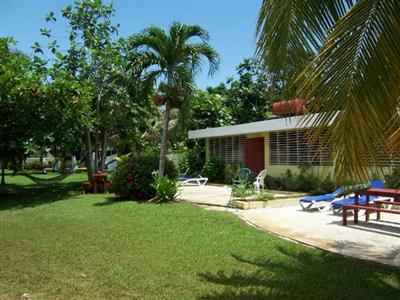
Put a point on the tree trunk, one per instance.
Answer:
(96, 152)
(3, 175)
(62, 162)
(41, 159)
(89, 159)
(96, 136)
(103, 150)
(164, 140)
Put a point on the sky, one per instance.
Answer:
(230, 23)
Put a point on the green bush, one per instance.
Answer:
(264, 196)
(231, 171)
(133, 178)
(273, 183)
(166, 189)
(304, 181)
(241, 189)
(193, 159)
(392, 181)
(214, 170)
(33, 164)
(327, 185)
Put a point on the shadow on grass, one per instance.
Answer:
(110, 200)
(294, 274)
(16, 196)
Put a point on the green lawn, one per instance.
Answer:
(56, 243)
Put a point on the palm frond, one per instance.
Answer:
(290, 32)
(354, 81)
(197, 51)
(153, 38)
(394, 132)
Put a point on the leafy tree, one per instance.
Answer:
(208, 110)
(21, 103)
(174, 59)
(249, 97)
(353, 77)
(96, 59)
(67, 113)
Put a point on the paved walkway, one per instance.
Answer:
(375, 241)
(207, 194)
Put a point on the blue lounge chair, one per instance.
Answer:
(336, 205)
(320, 201)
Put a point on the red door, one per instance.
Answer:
(254, 154)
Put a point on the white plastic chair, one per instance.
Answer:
(259, 183)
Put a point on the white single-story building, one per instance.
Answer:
(276, 144)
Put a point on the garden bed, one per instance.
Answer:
(253, 202)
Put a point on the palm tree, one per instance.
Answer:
(174, 58)
(353, 78)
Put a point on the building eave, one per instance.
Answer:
(278, 124)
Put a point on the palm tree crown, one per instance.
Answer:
(174, 58)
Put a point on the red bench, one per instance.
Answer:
(369, 208)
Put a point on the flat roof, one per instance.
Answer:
(278, 124)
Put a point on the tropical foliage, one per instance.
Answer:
(36, 114)
(133, 177)
(209, 109)
(305, 180)
(352, 75)
(166, 189)
(173, 59)
(214, 170)
(96, 59)
(20, 96)
(249, 97)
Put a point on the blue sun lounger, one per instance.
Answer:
(320, 201)
(336, 205)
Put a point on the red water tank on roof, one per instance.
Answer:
(289, 108)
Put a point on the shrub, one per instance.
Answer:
(264, 196)
(214, 169)
(33, 164)
(133, 178)
(327, 185)
(393, 180)
(192, 159)
(273, 183)
(166, 189)
(241, 190)
(305, 181)
(230, 172)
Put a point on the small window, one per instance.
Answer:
(228, 149)
(292, 148)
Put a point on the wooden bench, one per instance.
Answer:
(369, 208)
(379, 202)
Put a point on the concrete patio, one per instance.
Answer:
(375, 241)
(206, 194)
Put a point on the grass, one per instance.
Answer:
(58, 244)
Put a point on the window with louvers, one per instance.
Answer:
(228, 149)
(386, 159)
(291, 148)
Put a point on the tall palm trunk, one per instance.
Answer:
(164, 140)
